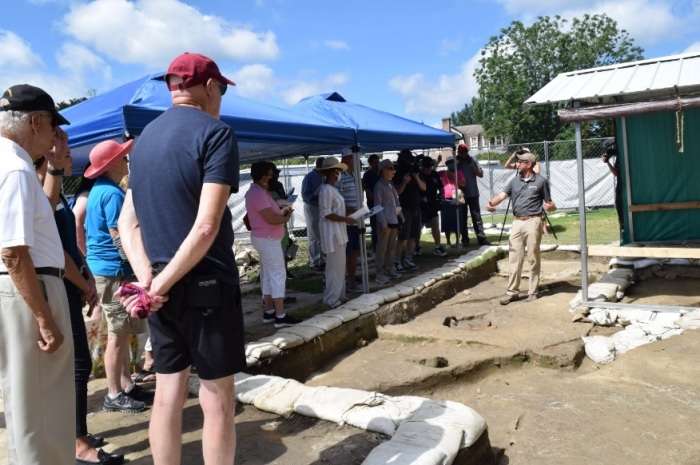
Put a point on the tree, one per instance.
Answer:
(466, 115)
(521, 60)
(74, 101)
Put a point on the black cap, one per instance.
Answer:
(427, 162)
(24, 97)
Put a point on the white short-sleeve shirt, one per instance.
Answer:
(26, 218)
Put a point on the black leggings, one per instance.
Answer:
(83, 362)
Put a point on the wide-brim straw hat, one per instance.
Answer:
(104, 155)
(330, 163)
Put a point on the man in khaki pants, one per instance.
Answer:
(530, 197)
(36, 363)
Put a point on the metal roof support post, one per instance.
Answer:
(582, 211)
(357, 175)
(546, 159)
(458, 241)
(628, 183)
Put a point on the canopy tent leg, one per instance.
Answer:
(582, 211)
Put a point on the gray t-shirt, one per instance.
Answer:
(527, 196)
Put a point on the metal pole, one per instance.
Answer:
(458, 241)
(582, 211)
(546, 159)
(628, 181)
(357, 174)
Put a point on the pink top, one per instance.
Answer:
(257, 199)
(449, 184)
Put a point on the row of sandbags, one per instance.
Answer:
(316, 326)
(423, 431)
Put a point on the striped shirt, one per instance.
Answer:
(348, 189)
(333, 233)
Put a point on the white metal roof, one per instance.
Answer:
(656, 78)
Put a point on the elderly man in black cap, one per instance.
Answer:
(310, 187)
(530, 197)
(36, 365)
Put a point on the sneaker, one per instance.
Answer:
(408, 263)
(140, 394)
(355, 288)
(123, 403)
(286, 321)
(484, 242)
(439, 251)
(268, 317)
(531, 298)
(398, 267)
(383, 279)
(417, 252)
(393, 274)
(509, 298)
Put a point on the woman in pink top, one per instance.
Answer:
(267, 222)
(450, 208)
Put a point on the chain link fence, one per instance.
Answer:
(557, 160)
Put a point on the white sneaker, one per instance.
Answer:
(382, 279)
(408, 263)
(398, 267)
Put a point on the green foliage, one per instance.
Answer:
(466, 115)
(74, 101)
(523, 59)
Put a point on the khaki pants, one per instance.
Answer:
(524, 233)
(38, 388)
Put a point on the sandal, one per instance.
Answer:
(146, 376)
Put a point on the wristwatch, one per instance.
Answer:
(54, 172)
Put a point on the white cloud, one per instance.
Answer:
(337, 45)
(152, 32)
(301, 88)
(17, 54)
(450, 46)
(440, 97)
(694, 47)
(254, 81)
(647, 21)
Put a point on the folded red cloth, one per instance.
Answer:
(143, 303)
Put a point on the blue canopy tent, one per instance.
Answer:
(263, 131)
(375, 130)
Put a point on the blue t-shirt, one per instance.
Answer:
(176, 153)
(102, 213)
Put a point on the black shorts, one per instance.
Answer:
(210, 338)
(353, 239)
(410, 229)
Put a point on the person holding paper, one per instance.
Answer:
(386, 196)
(334, 236)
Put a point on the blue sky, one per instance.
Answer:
(411, 58)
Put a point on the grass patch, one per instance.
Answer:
(310, 310)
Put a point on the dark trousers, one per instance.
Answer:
(475, 211)
(83, 362)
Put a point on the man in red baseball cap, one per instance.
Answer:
(176, 230)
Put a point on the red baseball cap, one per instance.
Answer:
(462, 147)
(194, 69)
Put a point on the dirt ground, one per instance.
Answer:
(520, 366)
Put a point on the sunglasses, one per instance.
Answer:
(222, 88)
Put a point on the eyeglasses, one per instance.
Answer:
(222, 88)
(45, 115)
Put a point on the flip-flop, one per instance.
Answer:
(146, 376)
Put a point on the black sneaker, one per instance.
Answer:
(268, 317)
(140, 394)
(286, 321)
(123, 403)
